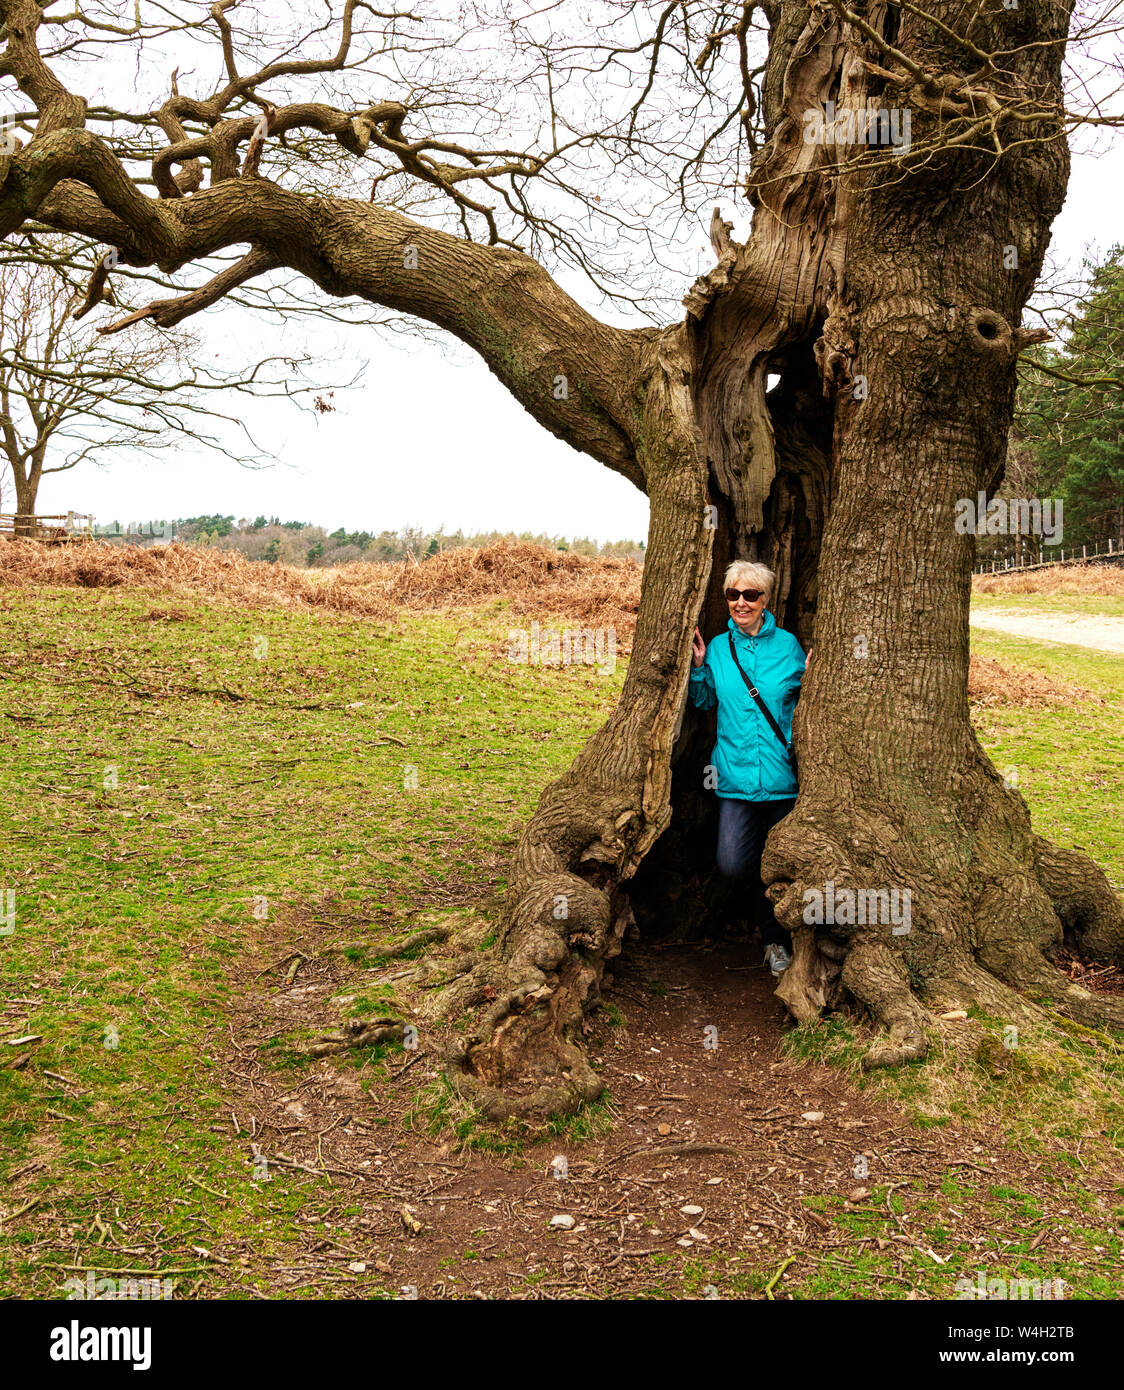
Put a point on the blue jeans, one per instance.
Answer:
(742, 828)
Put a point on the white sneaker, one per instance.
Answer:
(777, 958)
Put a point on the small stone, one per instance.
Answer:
(690, 1211)
(813, 1116)
(713, 1182)
(357, 1267)
(665, 1129)
(954, 1014)
(562, 1223)
(685, 1243)
(697, 1235)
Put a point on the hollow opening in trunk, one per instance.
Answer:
(678, 893)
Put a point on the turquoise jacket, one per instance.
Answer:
(748, 758)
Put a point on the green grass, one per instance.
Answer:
(155, 825)
(1076, 605)
(876, 1263)
(1068, 759)
(1058, 1095)
(153, 829)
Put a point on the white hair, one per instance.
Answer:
(746, 573)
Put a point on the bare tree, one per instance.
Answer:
(69, 395)
(441, 165)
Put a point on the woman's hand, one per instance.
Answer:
(698, 648)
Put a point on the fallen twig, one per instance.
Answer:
(771, 1285)
(225, 1196)
(409, 1064)
(140, 1273)
(671, 1151)
(19, 1211)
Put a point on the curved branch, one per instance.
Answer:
(577, 376)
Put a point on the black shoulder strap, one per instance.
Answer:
(761, 705)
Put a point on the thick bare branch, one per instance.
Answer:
(575, 374)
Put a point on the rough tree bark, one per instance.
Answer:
(887, 283)
(26, 490)
(878, 288)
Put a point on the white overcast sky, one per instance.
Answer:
(431, 438)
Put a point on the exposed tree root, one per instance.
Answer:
(359, 1032)
(877, 977)
(392, 950)
(991, 907)
(531, 1032)
(1083, 900)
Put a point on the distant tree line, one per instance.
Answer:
(273, 541)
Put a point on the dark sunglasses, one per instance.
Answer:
(750, 595)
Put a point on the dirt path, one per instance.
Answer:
(1102, 634)
(700, 1187)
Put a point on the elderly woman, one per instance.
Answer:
(753, 674)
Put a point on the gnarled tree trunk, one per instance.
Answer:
(885, 299)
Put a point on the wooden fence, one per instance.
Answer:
(1114, 555)
(53, 530)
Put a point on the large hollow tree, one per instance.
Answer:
(880, 290)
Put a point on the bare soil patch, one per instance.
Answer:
(1102, 634)
(708, 1163)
